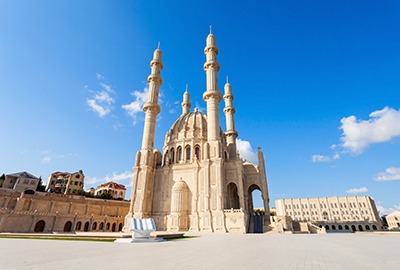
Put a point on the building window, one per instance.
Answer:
(188, 152)
(179, 153)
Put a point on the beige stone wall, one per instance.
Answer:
(21, 212)
(333, 213)
(393, 220)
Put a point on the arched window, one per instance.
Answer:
(172, 155)
(197, 151)
(353, 228)
(346, 227)
(39, 227)
(166, 158)
(101, 226)
(120, 227)
(233, 197)
(113, 227)
(179, 154)
(360, 228)
(94, 226)
(68, 226)
(86, 227)
(108, 226)
(374, 227)
(188, 152)
(327, 227)
(78, 226)
(367, 227)
(333, 227)
(340, 227)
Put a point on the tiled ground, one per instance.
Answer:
(268, 251)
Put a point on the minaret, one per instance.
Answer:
(144, 168)
(229, 111)
(212, 95)
(151, 108)
(186, 102)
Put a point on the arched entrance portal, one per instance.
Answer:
(86, 227)
(233, 197)
(68, 226)
(39, 227)
(256, 210)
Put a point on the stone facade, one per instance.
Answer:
(66, 183)
(117, 191)
(21, 182)
(354, 213)
(49, 212)
(198, 182)
(393, 220)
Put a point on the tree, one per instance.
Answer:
(40, 186)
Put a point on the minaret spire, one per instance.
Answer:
(229, 111)
(186, 102)
(212, 95)
(151, 108)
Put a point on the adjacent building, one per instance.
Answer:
(21, 182)
(393, 220)
(354, 213)
(66, 183)
(117, 191)
(51, 212)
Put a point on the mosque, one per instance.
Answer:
(199, 181)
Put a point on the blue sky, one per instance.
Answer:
(316, 85)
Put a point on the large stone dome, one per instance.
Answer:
(192, 125)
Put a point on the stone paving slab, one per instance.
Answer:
(217, 251)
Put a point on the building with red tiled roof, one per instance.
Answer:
(117, 191)
(66, 183)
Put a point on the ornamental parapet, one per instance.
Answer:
(154, 78)
(212, 93)
(211, 63)
(153, 107)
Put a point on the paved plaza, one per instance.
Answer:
(250, 251)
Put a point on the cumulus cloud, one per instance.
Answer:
(136, 106)
(46, 159)
(99, 76)
(101, 101)
(390, 174)
(357, 190)
(113, 177)
(320, 158)
(382, 126)
(246, 151)
(384, 211)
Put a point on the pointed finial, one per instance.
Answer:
(210, 29)
(187, 88)
(227, 79)
(158, 45)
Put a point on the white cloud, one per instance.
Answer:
(136, 106)
(357, 190)
(113, 177)
(390, 174)
(97, 108)
(99, 76)
(101, 101)
(382, 126)
(320, 158)
(246, 151)
(46, 159)
(384, 211)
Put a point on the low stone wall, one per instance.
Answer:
(49, 212)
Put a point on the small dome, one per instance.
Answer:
(180, 185)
